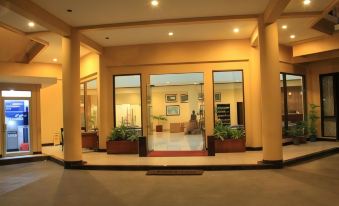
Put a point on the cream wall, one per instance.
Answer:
(89, 65)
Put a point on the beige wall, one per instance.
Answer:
(89, 65)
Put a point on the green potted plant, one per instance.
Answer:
(158, 127)
(122, 140)
(313, 117)
(228, 139)
(298, 132)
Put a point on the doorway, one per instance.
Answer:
(15, 121)
(329, 94)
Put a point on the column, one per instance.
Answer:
(71, 99)
(270, 93)
(103, 112)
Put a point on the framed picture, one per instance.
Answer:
(217, 96)
(172, 110)
(170, 98)
(183, 98)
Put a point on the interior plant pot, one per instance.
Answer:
(230, 145)
(296, 140)
(313, 138)
(122, 147)
(158, 128)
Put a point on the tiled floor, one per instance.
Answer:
(250, 157)
(165, 141)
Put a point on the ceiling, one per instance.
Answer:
(90, 12)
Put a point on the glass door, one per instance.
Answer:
(329, 107)
(16, 126)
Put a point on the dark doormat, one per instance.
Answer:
(174, 172)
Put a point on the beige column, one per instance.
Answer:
(71, 98)
(270, 93)
(103, 106)
(208, 103)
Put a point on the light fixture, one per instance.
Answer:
(106, 37)
(31, 24)
(69, 10)
(290, 93)
(236, 30)
(170, 33)
(307, 2)
(284, 26)
(292, 36)
(154, 3)
(55, 60)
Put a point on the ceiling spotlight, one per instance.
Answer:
(307, 2)
(284, 26)
(106, 37)
(154, 3)
(31, 24)
(236, 30)
(55, 60)
(69, 10)
(170, 33)
(292, 36)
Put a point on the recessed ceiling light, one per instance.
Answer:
(170, 33)
(154, 3)
(292, 36)
(69, 10)
(236, 30)
(307, 2)
(106, 37)
(284, 26)
(31, 24)
(55, 60)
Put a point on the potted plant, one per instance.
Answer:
(158, 127)
(123, 140)
(297, 132)
(313, 117)
(228, 139)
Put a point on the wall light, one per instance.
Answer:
(290, 93)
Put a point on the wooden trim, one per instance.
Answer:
(305, 14)
(162, 22)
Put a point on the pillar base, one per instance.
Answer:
(278, 163)
(72, 164)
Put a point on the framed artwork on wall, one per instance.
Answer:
(170, 98)
(183, 98)
(172, 110)
(217, 96)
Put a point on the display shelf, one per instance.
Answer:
(223, 112)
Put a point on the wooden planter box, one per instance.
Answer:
(90, 140)
(230, 145)
(122, 147)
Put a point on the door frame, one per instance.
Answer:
(3, 127)
(335, 76)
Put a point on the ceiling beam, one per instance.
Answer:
(36, 48)
(316, 57)
(254, 38)
(306, 14)
(209, 19)
(274, 10)
(90, 44)
(35, 13)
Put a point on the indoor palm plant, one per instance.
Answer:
(228, 139)
(159, 118)
(313, 117)
(122, 140)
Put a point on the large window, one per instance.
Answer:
(293, 100)
(127, 101)
(89, 105)
(229, 98)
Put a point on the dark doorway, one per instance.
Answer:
(329, 93)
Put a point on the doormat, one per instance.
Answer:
(176, 153)
(174, 172)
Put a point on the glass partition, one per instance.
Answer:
(229, 98)
(127, 101)
(293, 101)
(89, 105)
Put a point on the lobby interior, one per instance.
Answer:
(79, 68)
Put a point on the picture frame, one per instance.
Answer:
(170, 98)
(172, 110)
(217, 96)
(183, 98)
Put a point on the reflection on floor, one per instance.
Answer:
(166, 141)
(250, 157)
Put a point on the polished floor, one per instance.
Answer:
(45, 184)
(166, 141)
(252, 157)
